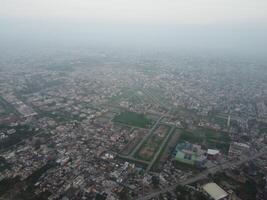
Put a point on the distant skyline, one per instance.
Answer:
(138, 11)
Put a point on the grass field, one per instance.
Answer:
(185, 167)
(133, 119)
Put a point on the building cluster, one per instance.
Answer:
(59, 140)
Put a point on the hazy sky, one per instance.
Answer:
(139, 11)
(197, 24)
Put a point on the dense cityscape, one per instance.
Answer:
(145, 125)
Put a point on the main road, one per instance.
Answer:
(204, 174)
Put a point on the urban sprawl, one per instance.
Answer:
(94, 124)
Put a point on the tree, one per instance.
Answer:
(155, 181)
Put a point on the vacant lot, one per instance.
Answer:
(137, 136)
(133, 119)
(152, 144)
(149, 148)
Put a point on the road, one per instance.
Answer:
(204, 174)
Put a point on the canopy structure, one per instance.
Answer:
(215, 191)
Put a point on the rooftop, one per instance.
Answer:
(215, 191)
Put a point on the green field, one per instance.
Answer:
(208, 138)
(133, 119)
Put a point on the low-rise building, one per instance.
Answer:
(191, 154)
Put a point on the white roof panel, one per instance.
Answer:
(215, 191)
(212, 151)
